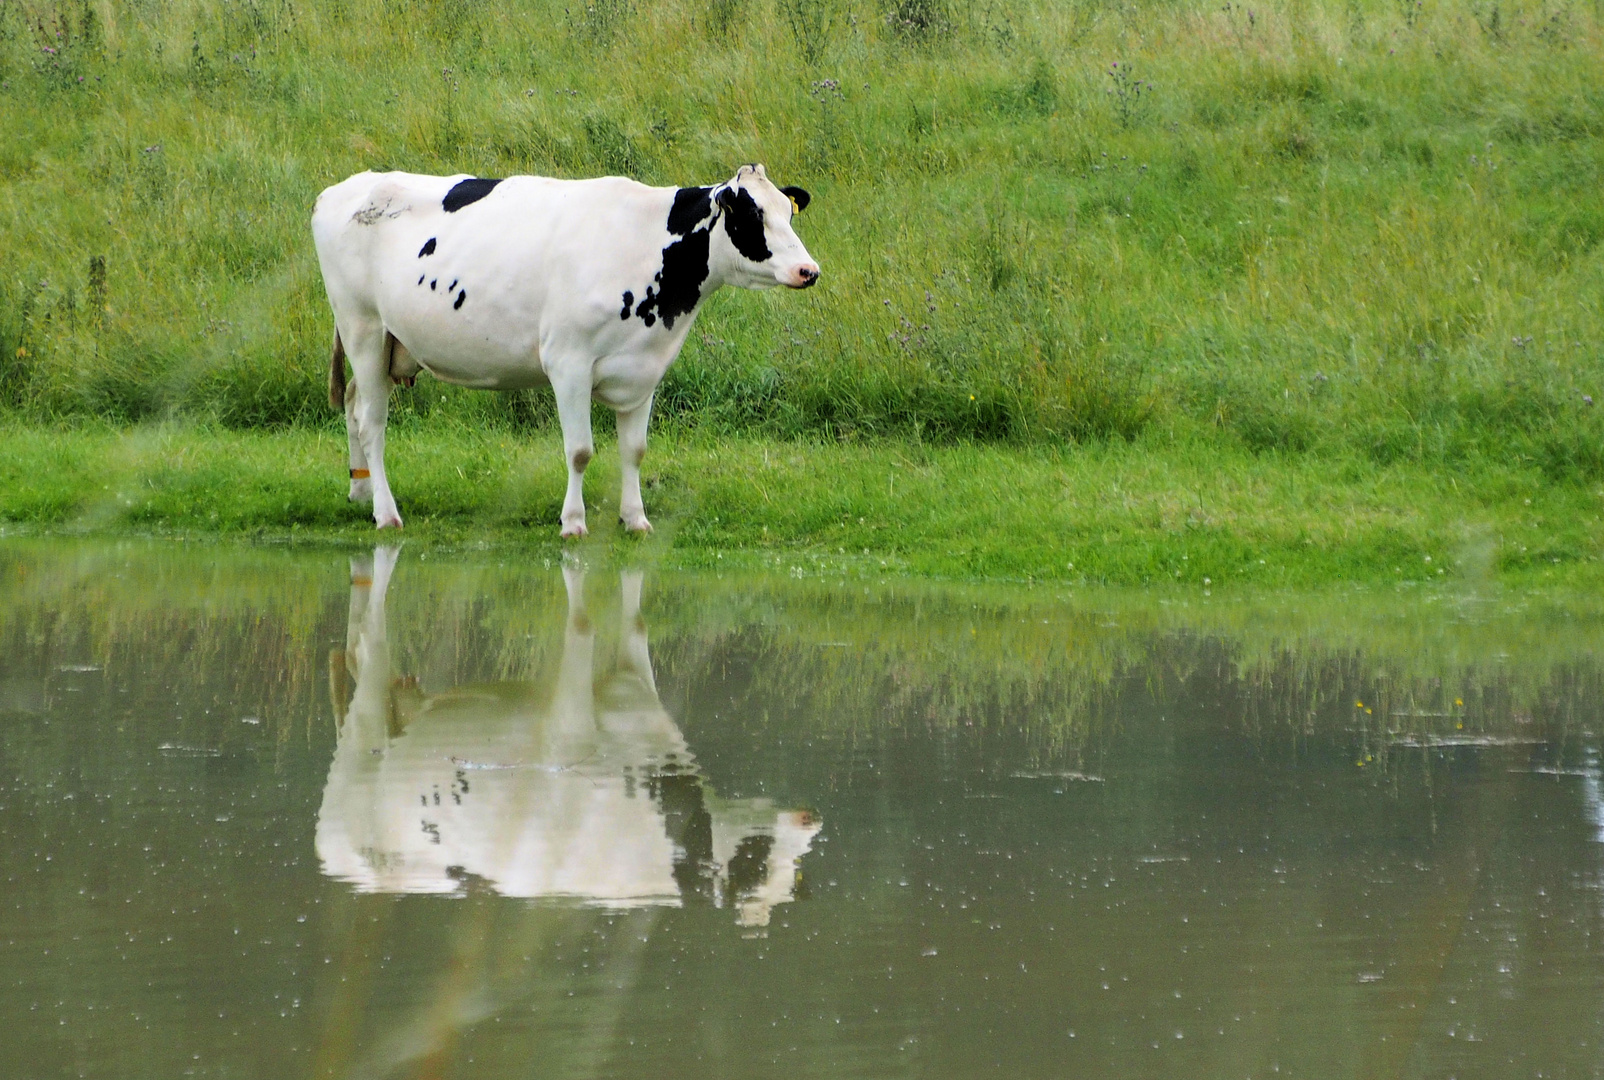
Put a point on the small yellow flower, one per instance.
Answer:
(1358, 704)
(971, 397)
(21, 351)
(1459, 701)
(1368, 712)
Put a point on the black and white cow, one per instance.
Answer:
(589, 285)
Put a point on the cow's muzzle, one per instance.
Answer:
(804, 276)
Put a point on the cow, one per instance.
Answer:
(588, 285)
(583, 789)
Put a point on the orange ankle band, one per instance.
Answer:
(360, 474)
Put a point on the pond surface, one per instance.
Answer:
(307, 814)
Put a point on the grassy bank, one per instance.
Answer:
(1339, 228)
(1149, 512)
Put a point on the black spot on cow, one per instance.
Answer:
(428, 248)
(678, 285)
(689, 827)
(421, 277)
(748, 866)
(461, 296)
(466, 193)
(433, 283)
(690, 209)
(679, 282)
(629, 302)
(743, 220)
(453, 284)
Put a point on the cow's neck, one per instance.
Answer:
(725, 265)
(721, 260)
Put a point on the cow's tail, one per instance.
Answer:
(337, 372)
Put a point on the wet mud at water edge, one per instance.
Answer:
(304, 814)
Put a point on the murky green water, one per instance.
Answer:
(266, 814)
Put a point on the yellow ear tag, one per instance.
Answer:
(795, 209)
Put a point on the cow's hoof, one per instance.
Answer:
(389, 521)
(575, 531)
(640, 525)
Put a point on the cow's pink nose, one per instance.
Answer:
(806, 275)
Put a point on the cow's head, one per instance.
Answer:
(763, 249)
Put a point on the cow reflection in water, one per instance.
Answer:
(583, 790)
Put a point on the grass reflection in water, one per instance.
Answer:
(816, 826)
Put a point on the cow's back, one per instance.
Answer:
(348, 228)
(574, 227)
(474, 276)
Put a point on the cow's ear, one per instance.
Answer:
(725, 198)
(799, 198)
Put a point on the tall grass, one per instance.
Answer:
(1365, 228)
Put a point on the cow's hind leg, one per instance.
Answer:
(342, 395)
(368, 350)
(361, 485)
(403, 371)
(631, 451)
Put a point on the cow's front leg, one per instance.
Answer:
(634, 652)
(573, 701)
(573, 411)
(631, 451)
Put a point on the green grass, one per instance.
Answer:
(1319, 284)
(1156, 511)
(1325, 228)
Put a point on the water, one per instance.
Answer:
(275, 814)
